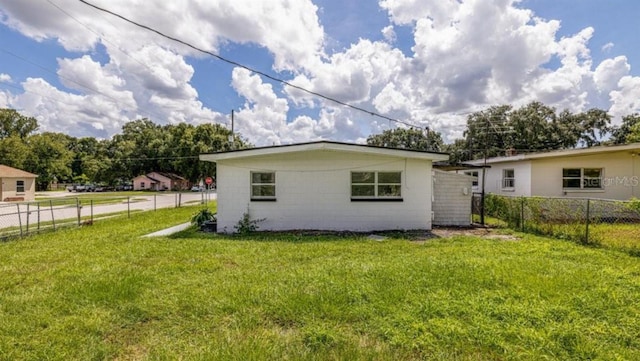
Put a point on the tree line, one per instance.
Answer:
(504, 129)
(140, 148)
(143, 146)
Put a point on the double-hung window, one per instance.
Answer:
(376, 186)
(20, 186)
(582, 178)
(263, 186)
(508, 179)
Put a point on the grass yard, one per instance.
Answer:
(102, 292)
(93, 198)
(618, 236)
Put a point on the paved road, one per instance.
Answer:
(15, 214)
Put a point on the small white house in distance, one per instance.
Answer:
(325, 186)
(607, 172)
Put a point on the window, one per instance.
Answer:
(20, 186)
(508, 178)
(376, 186)
(473, 174)
(582, 178)
(263, 186)
(142, 185)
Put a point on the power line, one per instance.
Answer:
(263, 74)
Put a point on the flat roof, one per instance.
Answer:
(324, 145)
(631, 148)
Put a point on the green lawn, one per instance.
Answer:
(94, 198)
(102, 292)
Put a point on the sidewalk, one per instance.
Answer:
(169, 231)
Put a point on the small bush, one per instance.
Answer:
(202, 216)
(634, 204)
(247, 225)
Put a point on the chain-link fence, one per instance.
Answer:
(20, 219)
(583, 220)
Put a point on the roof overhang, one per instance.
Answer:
(324, 146)
(446, 166)
(633, 148)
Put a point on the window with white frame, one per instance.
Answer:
(508, 178)
(376, 185)
(473, 174)
(263, 186)
(20, 186)
(582, 178)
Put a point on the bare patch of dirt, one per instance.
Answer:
(449, 232)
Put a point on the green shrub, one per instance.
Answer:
(202, 216)
(634, 204)
(247, 225)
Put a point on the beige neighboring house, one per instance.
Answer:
(327, 186)
(159, 181)
(16, 184)
(606, 172)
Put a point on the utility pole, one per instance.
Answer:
(231, 140)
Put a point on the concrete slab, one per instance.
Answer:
(169, 231)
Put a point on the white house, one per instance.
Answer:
(607, 172)
(16, 184)
(325, 186)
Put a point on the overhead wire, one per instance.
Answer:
(261, 73)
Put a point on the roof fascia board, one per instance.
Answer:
(562, 153)
(329, 146)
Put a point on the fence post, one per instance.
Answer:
(482, 207)
(19, 218)
(27, 229)
(78, 207)
(586, 239)
(155, 196)
(53, 218)
(91, 205)
(38, 216)
(522, 214)
(179, 199)
(128, 206)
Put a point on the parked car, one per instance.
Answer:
(197, 189)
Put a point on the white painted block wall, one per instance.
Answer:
(313, 191)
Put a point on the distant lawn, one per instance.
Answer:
(618, 236)
(102, 292)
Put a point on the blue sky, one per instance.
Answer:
(424, 62)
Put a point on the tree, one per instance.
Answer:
(634, 134)
(594, 124)
(14, 152)
(408, 138)
(628, 131)
(50, 158)
(13, 123)
(531, 128)
(488, 133)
